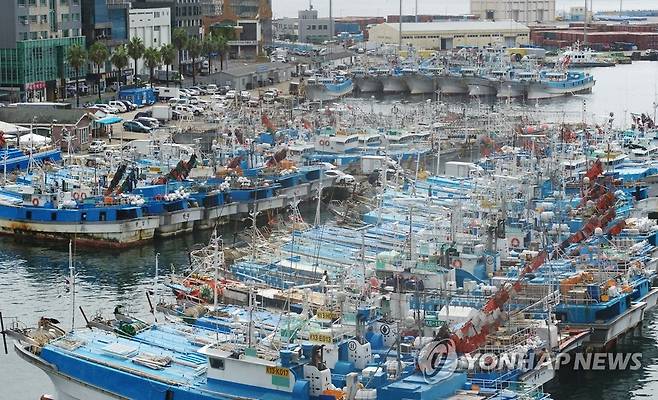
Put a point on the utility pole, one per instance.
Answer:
(416, 10)
(585, 25)
(400, 30)
(331, 21)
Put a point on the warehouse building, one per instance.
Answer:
(452, 34)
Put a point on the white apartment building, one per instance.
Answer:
(524, 11)
(153, 26)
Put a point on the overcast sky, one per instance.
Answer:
(289, 8)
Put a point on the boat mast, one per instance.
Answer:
(72, 284)
(155, 279)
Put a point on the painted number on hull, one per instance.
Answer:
(316, 337)
(284, 372)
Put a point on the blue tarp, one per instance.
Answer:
(109, 120)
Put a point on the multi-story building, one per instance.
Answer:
(34, 39)
(185, 14)
(153, 26)
(251, 22)
(313, 29)
(528, 11)
(105, 20)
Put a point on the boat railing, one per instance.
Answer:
(523, 391)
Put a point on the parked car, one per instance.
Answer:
(245, 95)
(106, 108)
(131, 106)
(223, 89)
(231, 94)
(150, 122)
(136, 126)
(341, 177)
(211, 88)
(201, 91)
(269, 96)
(176, 115)
(97, 146)
(118, 105)
(143, 114)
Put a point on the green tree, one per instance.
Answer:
(152, 59)
(98, 54)
(168, 56)
(179, 39)
(136, 50)
(119, 59)
(76, 58)
(194, 49)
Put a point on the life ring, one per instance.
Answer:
(515, 242)
(489, 260)
(35, 202)
(83, 195)
(158, 197)
(457, 263)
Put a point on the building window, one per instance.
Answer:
(33, 19)
(156, 28)
(22, 19)
(76, 17)
(156, 14)
(42, 2)
(33, 36)
(44, 19)
(21, 3)
(23, 35)
(65, 17)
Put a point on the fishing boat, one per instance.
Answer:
(366, 81)
(558, 83)
(394, 81)
(330, 88)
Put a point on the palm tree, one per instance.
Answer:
(136, 50)
(76, 58)
(208, 46)
(168, 56)
(98, 54)
(179, 39)
(194, 49)
(152, 59)
(221, 43)
(119, 59)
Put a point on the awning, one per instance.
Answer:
(108, 120)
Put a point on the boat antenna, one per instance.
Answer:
(155, 280)
(2, 331)
(72, 284)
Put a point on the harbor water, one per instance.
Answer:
(34, 274)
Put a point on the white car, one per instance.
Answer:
(211, 88)
(106, 108)
(231, 94)
(191, 92)
(341, 177)
(245, 95)
(220, 97)
(118, 105)
(97, 146)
